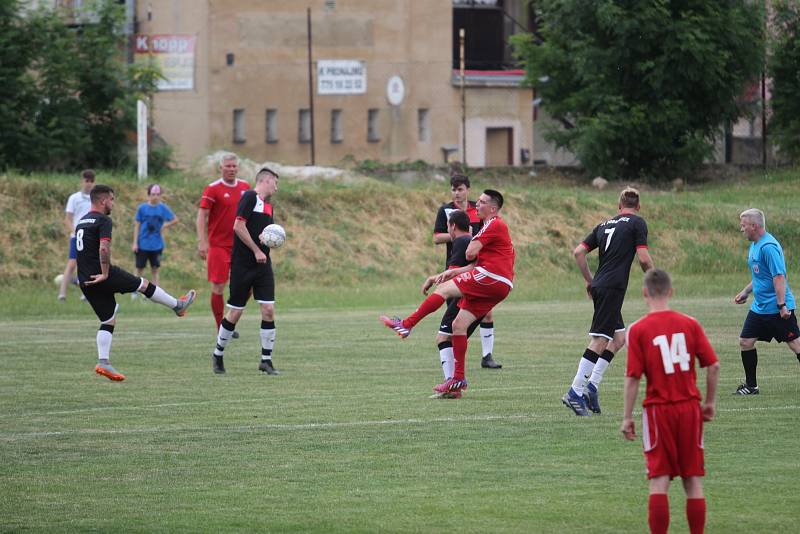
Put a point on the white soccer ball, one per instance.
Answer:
(273, 236)
(58, 279)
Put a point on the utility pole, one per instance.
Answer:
(310, 86)
(461, 37)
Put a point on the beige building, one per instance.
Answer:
(384, 83)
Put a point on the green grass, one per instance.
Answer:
(346, 440)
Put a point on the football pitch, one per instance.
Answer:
(347, 440)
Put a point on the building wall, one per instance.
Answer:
(268, 41)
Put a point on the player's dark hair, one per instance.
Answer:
(99, 191)
(266, 170)
(460, 219)
(151, 186)
(459, 179)
(657, 282)
(88, 174)
(629, 198)
(496, 197)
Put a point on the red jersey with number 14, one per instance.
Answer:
(663, 346)
(496, 257)
(221, 200)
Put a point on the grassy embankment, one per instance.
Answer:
(366, 241)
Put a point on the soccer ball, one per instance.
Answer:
(273, 236)
(58, 279)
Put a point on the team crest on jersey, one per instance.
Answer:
(463, 277)
(755, 268)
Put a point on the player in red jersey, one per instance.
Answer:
(481, 285)
(662, 346)
(215, 219)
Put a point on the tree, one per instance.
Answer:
(642, 87)
(784, 66)
(71, 95)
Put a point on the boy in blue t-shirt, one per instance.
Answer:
(151, 219)
(771, 315)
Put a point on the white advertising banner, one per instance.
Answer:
(341, 77)
(173, 54)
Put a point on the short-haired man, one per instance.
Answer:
(100, 280)
(480, 286)
(618, 240)
(251, 271)
(771, 315)
(459, 189)
(78, 205)
(215, 218)
(663, 346)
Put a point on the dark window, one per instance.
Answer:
(304, 126)
(372, 126)
(238, 126)
(336, 126)
(272, 126)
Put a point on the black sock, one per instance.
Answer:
(607, 355)
(750, 362)
(445, 344)
(592, 356)
(798, 356)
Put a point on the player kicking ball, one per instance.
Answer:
(480, 286)
(663, 346)
(251, 271)
(100, 281)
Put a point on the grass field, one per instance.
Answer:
(346, 439)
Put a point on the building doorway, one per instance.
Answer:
(499, 147)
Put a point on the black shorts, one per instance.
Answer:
(101, 296)
(446, 326)
(142, 257)
(766, 327)
(607, 318)
(259, 279)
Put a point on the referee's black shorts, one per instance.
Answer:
(101, 296)
(607, 318)
(766, 327)
(258, 279)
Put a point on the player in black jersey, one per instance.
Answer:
(99, 280)
(251, 271)
(459, 187)
(618, 240)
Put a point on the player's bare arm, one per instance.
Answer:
(709, 406)
(105, 263)
(240, 229)
(444, 276)
(628, 428)
(583, 264)
(202, 232)
(779, 282)
(68, 220)
(741, 297)
(167, 224)
(136, 227)
(441, 237)
(645, 261)
(473, 248)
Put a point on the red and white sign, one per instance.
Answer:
(173, 54)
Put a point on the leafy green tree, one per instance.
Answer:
(76, 101)
(784, 66)
(642, 88)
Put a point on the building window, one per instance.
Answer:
(238, 126)
(336, 126)
(229, 59)
(304, 126)
(272, 126)
(372, 126)
(423, 126)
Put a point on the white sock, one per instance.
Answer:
(585, 368)
(448, 362)
(267, 343)
(162, 297)
(598, 371)
(223, 337)
(104, 344)
(487, 340)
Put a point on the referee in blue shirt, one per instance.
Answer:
(771, 315)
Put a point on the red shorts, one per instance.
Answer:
(673, 439)
(480, 296)
(218, 264)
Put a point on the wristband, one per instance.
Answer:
(781, 305)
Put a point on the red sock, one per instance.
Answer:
(217, 307)
(658, 513)
(429, 305)
(696, 515)
(460, 355)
